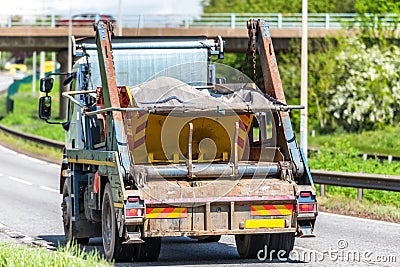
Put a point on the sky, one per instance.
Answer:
(40, 7)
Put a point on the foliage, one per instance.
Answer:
(321, 78)
(341, 156)
(18, 255)
(373, 17)
(353, 82)
(377, 6)
(272, 6)
(385, 141)
(367, 86)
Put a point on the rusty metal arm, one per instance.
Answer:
(69, 95)
(89, 113)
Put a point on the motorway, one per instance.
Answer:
(30, 204)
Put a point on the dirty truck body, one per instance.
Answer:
(163, 142)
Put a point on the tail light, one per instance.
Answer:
(305, 194)
(134, 212)
(306, 207)
(133, 199)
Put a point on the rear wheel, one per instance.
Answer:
(248, 246)
(66, 208)
(281, 244)
(149, 250)
(112, 243)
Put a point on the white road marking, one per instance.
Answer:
(33, 159)
(8, 150)
(19, 180)
(28, 157)
(54, 165)
(49, 189)
(1, 174)
(359, 219)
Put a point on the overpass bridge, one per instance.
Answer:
(56, 39)
(40, 32)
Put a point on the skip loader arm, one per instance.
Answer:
(304, 186)
(273, 88)
(116, 135)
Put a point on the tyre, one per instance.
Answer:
(66, 208)
(149, 250)
(248, 246)
(210, 239)
(282, 243)
(112, 243)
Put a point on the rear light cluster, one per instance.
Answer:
(305, 194)
(133, 199)
(135, 212)
(305, 207)
(134, 207)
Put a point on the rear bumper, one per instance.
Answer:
(219, 232)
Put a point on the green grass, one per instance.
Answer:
(52, 154)
(364, 208)
(384, 141)
(24, 118)
(19, 255)
(342, 156)
(378, 204)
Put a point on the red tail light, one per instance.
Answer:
(133, 199)
(305, 194)
(136, 212)
(305, 207)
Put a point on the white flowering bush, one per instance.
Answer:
(367, 90)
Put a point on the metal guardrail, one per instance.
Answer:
(218, 20)
(359, 180)
(348, 179)
(365, 156)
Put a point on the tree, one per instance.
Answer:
(276, 6)
(376, 24)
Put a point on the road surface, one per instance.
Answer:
(30, 204)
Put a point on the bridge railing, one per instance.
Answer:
(220, 20)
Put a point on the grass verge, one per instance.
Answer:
(21, 255)
(377, 204)
(383, 141)
(32, 149)
(340, 204)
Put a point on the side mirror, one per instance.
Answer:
(45, 107)
(46, 84)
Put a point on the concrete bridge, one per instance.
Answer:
(56, 39)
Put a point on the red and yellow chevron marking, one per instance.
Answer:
(166, 213)
(262, 210)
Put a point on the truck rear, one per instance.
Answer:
(161, 141)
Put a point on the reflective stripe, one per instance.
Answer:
(262, 210)
(265, 223)
(166, 213)
(91, 162)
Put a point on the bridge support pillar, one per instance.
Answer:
(62, 57)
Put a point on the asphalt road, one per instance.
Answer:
(30, 204)
(5, 81)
